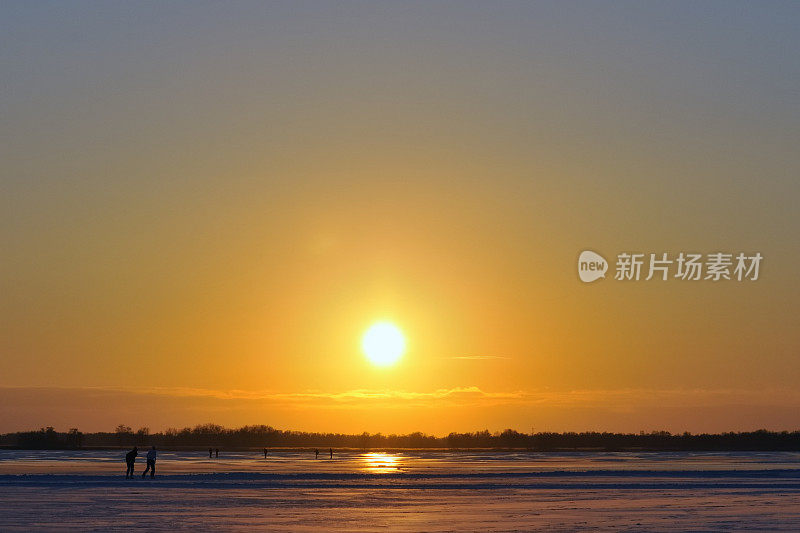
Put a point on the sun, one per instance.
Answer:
(383, 343)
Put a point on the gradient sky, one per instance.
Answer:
(204, 205)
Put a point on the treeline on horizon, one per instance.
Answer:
(216, 436)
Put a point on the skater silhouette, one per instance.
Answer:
(130, 460)
(151, 463)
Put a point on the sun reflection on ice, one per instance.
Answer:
(380, 463)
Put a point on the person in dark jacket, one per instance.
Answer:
(130, 460)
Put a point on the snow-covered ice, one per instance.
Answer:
(402, 491)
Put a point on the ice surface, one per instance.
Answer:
(409, 491)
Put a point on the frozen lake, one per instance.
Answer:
(407, 491)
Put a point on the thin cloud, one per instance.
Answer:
(455, 396)
(344, 397)
(479, 357)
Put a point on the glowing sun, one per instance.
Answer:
(383, 343)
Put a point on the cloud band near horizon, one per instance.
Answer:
(469, 408)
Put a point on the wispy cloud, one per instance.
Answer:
(480, 357)
(455, 396)
(621, 409)
(355, 397)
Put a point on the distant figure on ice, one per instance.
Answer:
(130, 460)
(210, 453)
(216, 453)
(331, 450)
(265, 453)
(151, 463)
(316, 454)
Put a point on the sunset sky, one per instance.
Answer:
(204, 206)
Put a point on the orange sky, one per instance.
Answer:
(203, 210)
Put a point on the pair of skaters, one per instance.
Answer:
(316, 453)
(130, 460)
(213, 453)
